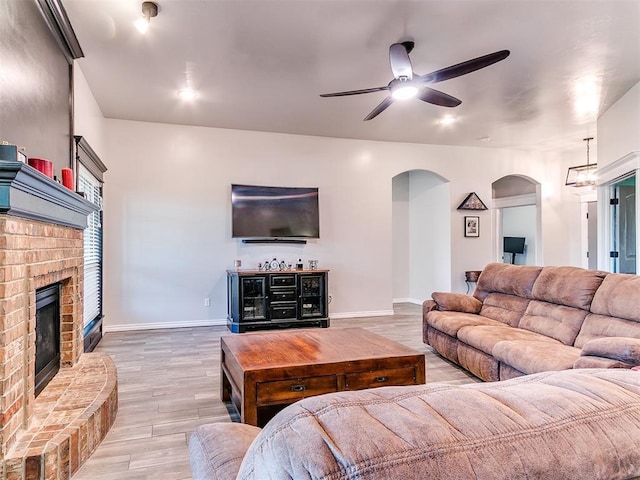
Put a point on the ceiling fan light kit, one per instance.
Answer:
(404, 92)
(407, 84)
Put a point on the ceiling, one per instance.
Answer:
(261, 65)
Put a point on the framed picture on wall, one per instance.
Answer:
(471, 226)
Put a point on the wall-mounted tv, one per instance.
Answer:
(274, 212)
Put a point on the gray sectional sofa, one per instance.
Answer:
(523, 320)
(568, 425)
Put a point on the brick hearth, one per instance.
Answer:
(41, 243)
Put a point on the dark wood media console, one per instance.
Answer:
(258, 300)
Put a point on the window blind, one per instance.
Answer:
(92, 187)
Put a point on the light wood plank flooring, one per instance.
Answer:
(169, 384)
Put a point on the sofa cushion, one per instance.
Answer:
(457, 302)
(618, 296)
(555, 321)
(617, 348)
(599, 362)
(216, 449)
(598, 326)
(451, 322)
(485, 337)
(570, 286)
(515, 280)
(504, 308)
(561, 425)
(534, 357)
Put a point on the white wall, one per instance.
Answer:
(421, 236)
(167, 214)
(88, 120)
(430, 233)
(401, 238)
(619, 128)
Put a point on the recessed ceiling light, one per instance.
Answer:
(187, 94)
(447, 120)
(149, 10)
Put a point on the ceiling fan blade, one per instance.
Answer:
(399, 60)
(355, 92)
(464, 67)
(379, 109)
(437, 97)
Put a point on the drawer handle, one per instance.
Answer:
(298, 388)
(380, 379)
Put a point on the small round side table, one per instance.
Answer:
(471, 276)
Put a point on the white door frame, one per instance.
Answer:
(585, 198)
(517, 201)
(605, 177)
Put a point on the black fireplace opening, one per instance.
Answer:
(47, 335)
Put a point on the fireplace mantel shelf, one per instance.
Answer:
(27, 193)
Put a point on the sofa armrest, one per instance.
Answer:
(623, 349)
(216, 450)
(456, 302)
(427, 306)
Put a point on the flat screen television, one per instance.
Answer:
(514, 244)
(274, 212)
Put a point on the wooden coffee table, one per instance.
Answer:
(263, 372)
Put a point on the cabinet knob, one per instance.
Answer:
(298, 388)
(380, 379)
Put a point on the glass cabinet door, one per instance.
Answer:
(253, 298)
(312, 298)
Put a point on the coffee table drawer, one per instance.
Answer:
(380, 378)
(289, 391)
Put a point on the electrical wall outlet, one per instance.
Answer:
(207, 302)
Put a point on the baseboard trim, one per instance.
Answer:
(163, 325)
(415, 301)
(223, 322)
(373, 313)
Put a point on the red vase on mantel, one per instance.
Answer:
(67, 178)
(42, 165)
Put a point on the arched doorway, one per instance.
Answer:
(518, 225)
(421, 238)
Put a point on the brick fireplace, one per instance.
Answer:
(41, 244)
(35, 255)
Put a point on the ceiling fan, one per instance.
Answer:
(407, 84)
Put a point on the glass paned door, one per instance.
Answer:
(254, 300)
(623, 234)
(312, 296)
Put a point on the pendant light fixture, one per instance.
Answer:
(149, 10)
(582, 175)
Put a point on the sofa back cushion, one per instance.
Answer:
(570, 286)
(515, 280)
(615, 310)
(618, 296)
(599, 326)
(555, 321)
(504, 308)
